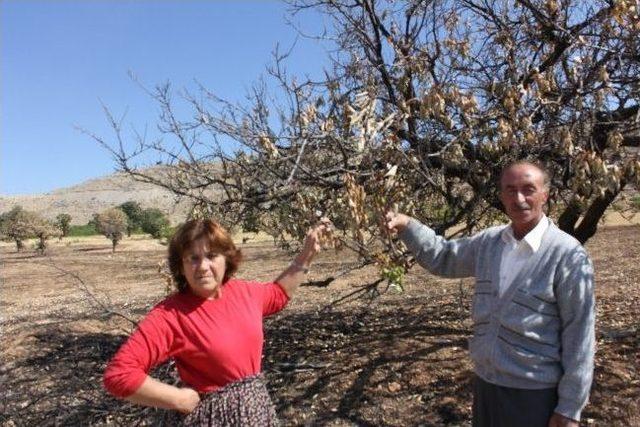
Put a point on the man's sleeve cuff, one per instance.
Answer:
(415, 235)
(569, 409)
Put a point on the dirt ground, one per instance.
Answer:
(343, 353)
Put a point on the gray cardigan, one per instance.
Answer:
(540, 333)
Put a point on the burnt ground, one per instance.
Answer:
(342, 353)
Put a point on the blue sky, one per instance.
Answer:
(59, 59)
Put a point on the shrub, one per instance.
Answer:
(44, 230)
(112, 223)
(63, 222)
(83, 230)
(154, 222)
(133, 211)
(18, 225)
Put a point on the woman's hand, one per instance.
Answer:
(291, 278)
(160, 395)
(187, 400)
(313, 242)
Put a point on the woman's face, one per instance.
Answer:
(204, 269)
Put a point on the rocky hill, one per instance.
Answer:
(83, 200)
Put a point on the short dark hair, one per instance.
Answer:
(219, 241)
(545, 175)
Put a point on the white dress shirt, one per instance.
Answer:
(516, 252)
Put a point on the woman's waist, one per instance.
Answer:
(215, 378)
(248, 381)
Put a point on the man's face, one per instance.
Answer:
(523, 194)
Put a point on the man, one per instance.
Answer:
(533, 307)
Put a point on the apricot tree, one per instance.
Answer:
(424, 103)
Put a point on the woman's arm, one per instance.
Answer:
(126, 375)
(291, 278)
(160, 395)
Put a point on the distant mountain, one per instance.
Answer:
(83, 200)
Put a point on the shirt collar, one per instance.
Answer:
(533, 238)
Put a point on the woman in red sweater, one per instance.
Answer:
(212, 327)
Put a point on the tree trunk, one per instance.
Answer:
(569, 217)
(589, 224)
(42, 245)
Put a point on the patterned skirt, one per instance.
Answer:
(241, 403)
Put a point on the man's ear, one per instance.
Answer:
(500, 196)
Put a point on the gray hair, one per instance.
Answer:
(546, 181)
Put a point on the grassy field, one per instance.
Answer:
(343, 353)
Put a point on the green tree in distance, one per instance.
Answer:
(133, 210)
(63, 222)
(154, 222)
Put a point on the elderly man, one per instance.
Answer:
(533, 306)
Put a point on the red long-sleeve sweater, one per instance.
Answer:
(214, 342)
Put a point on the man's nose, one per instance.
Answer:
(520, 197)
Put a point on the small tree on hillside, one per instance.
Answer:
(63, 222)
(133, 210)
(17, 225)
(154, 222)
(44, 230)
(112, 223)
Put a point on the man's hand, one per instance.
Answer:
(558, 420)
(188, 400)
(396, 221)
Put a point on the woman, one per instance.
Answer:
(212, 327)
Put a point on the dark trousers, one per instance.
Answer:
(496, 406)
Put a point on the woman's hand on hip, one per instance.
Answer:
(187, 400)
